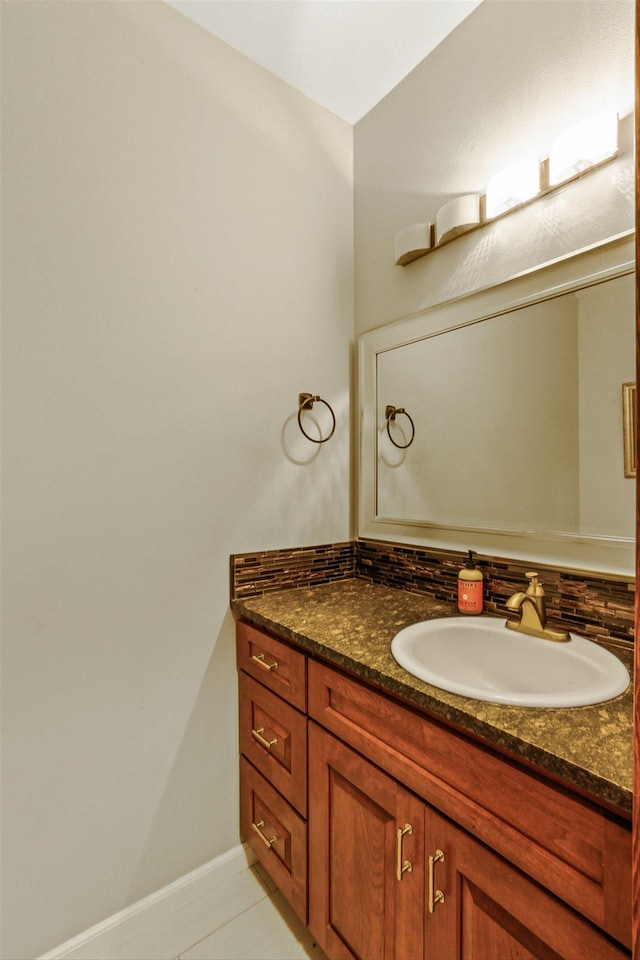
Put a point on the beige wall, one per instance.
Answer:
(177, 253)
(500, 88)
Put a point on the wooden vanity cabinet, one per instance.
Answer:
(391, 878)
(422, 842)
(568, 845)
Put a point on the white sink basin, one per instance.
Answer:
(479, 658)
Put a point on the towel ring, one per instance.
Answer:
(306, 402)
(390, 414)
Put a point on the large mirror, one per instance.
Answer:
(518, 409)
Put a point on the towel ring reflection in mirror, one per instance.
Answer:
(390, 414)
(306, 402)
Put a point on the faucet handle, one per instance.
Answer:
(535, 588)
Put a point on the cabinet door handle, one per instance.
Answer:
(260, 660)
(257, 735)
(438, 895)
(402, 866)
(258, 829)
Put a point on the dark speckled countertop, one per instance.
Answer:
(351, 623)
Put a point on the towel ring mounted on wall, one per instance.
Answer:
(306, 402)
(390, 414)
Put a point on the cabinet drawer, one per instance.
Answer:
(273, 735)
(569, 845)
(273, 663)
(276, 834)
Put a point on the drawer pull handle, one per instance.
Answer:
(438, 896)
(402, 866)
(257, 827)
(257, 735)
(260, 660)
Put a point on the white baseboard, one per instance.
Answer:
(152, 927)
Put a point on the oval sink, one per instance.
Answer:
(481, 659)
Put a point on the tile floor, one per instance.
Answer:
(258, 925)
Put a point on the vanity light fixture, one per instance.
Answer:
(457, 216)
(412, 243)
(583, 146)
(512, 186)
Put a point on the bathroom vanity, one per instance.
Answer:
(402, 821)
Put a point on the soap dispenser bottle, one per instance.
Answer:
(470, 587)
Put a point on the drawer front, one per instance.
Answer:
(276, 665)
(569, 845)
(273, 735)
(276, 834)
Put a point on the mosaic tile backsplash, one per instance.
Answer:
(586, 603)
(593, 605)
(257, 573)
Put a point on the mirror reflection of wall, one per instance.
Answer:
(518, 419)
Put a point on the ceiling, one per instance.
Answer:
(345, 54)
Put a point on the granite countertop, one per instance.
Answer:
(350, 623)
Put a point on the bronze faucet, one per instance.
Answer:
(532, 607)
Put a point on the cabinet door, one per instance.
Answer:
(366, 843)
(480, 907)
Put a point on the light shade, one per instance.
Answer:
(457, 217)
(412, 243)
(583, 146)
(512, 186)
